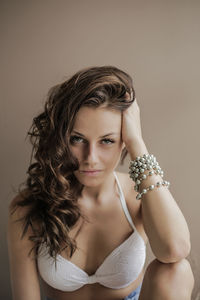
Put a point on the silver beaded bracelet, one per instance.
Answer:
(152, 187)
(137, 168)
(143, 177)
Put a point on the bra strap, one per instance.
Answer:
(123, 202)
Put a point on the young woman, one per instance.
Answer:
(80, 228)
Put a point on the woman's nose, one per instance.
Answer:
(91, 153)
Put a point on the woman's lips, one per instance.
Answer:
(91, 172)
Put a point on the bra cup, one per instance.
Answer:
(125, 265)
(56, 275)
(118, 270)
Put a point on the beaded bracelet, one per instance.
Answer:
(152, 187)
(137, 168)
(142, 163)
(143, 177)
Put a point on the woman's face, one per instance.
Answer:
(96, 142)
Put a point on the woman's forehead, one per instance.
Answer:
(99, 120)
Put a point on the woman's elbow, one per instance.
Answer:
(176, 252)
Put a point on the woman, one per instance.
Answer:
(83, 227)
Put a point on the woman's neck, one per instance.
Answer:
(100, 193)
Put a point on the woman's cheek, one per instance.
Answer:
(76, 152)
(114, 153)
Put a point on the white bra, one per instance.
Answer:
(119, 269)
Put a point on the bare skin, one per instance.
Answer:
(108, 218)
(101, 204)
(167, 281)
(105, 220)
(156, 280)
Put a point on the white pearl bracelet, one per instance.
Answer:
(137, 168)
(143, 177)
(142, 163)
(152, 187)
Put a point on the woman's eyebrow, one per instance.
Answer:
(111, 133)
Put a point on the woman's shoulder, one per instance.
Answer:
(15, 210)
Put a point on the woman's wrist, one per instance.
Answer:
(136, 148)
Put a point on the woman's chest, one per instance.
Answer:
(97, 238)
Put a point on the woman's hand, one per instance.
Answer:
(131, 131)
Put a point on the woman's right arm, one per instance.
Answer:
(23, 270)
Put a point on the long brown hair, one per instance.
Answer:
(51, 190)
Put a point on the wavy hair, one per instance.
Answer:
(51, 190)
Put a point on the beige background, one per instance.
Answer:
(156, 42)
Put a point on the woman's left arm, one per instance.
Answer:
(163, 220)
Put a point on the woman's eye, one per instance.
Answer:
(108, 141)
(75, 139)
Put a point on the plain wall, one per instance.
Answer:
(156, 42)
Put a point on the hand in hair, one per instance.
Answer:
(131, 125)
